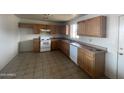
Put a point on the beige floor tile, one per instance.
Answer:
(47, 65)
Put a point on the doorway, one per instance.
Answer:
(120, 74)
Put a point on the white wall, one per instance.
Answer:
(9, 38)
(110, 42)
(26, 39)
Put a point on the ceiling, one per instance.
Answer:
(50, 17)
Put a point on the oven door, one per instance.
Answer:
(45, 45)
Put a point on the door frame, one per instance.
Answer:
(119, 17)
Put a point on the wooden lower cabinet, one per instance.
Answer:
(36, 45)
(92, 62)
(88, 63)
(54, 44)
(64, 47)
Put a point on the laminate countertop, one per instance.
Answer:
(78, 44)
(90, 48)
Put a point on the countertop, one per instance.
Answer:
(78, 44)
(90, 48)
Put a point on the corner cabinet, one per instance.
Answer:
(64, 47)
(64, 29)
(95, 27)
(92, 61)
(54, 44)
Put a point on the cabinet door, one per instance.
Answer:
(35, 29)
(95, 26)
(60, 44)
(80, 59)
(57, 29)
(52, 29)
(66, 49)
(62, 29)
(81, 28)
(88, 64)
(54, 44)
(36, 45)
(63, 47)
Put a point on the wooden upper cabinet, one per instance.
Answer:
(62, 29)
(81, 28)
(41, 26)
(55, 29)
(35, 29)
(52, 29)
(96, 26)
(93, 27)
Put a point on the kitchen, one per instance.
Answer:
(86, 42)
(61, 46)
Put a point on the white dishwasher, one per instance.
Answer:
(73, 53)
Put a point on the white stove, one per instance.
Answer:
(45, 43)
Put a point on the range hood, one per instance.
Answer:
(45, 30)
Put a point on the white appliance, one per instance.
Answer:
(45, 42)
(73, 53)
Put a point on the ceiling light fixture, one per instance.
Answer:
(46, 16)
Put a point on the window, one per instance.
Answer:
(73, 33)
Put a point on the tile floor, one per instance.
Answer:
(47, 65)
